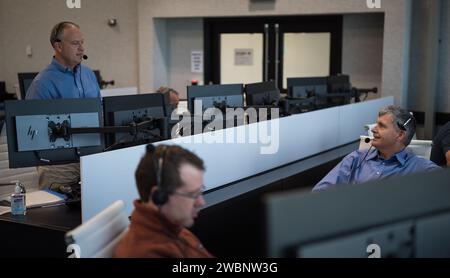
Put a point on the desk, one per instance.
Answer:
(40, 233)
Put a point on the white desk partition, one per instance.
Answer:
(107, 177)
(119, 92)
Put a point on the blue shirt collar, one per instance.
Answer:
(58, 66)
(401, 156)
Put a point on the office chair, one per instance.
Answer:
(98, 237)
(420, 148)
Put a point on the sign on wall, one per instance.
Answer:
(197, 61)
(243, 57)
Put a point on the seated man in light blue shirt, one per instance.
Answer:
(386, 157)
(65, 77)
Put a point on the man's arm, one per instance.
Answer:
(447, 157)
(37, 90)
(340, 174)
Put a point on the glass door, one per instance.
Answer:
(249, 50)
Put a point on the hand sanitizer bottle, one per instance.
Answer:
(18, 203)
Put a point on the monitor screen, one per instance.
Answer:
(302, 87)
(339, 83)
(25, 79)
(134, 109)
(262, 93)
(37, 131)
(219, 96)
(405, 216)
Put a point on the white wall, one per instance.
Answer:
(362, 50)
(184, 36)
(395, 44)
(112, 50)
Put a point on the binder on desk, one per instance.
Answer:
(42, 198)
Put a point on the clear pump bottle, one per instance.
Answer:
(18, 202)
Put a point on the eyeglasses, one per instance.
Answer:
(191, 195)
(74, 43)
(77, 43)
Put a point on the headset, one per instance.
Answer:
(160, 196)
(410, 121)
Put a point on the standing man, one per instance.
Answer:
(64, 77)
(440, 152)
(170, 184)
(391, 135)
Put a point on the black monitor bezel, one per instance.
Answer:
(130, 102)
(253, 89)
(305, 82)
(23, 76)
(15, 108)
(348, 210)
(196, 91)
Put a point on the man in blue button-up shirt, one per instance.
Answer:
(386, 157)
(65, 77)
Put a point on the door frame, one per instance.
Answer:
(214, 27)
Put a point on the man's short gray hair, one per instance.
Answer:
(403, 120)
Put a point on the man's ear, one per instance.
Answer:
(401, 136)
(57, 47)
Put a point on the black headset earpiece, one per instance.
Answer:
(160, 196)
(410, 120)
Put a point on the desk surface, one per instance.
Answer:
(60, 218)
(39, 233)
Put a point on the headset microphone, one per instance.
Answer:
(85, 57)
(367, 140)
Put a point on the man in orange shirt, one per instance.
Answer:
(170, 184)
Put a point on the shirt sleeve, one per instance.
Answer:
(340, 174)
(93, 80)
(37, 90)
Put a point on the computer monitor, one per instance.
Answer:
(262, 93)
(25, 79)
(405, 216)
(339, 84)
(39, 131)
(218, 96)
(304, 87)
(134, 110)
